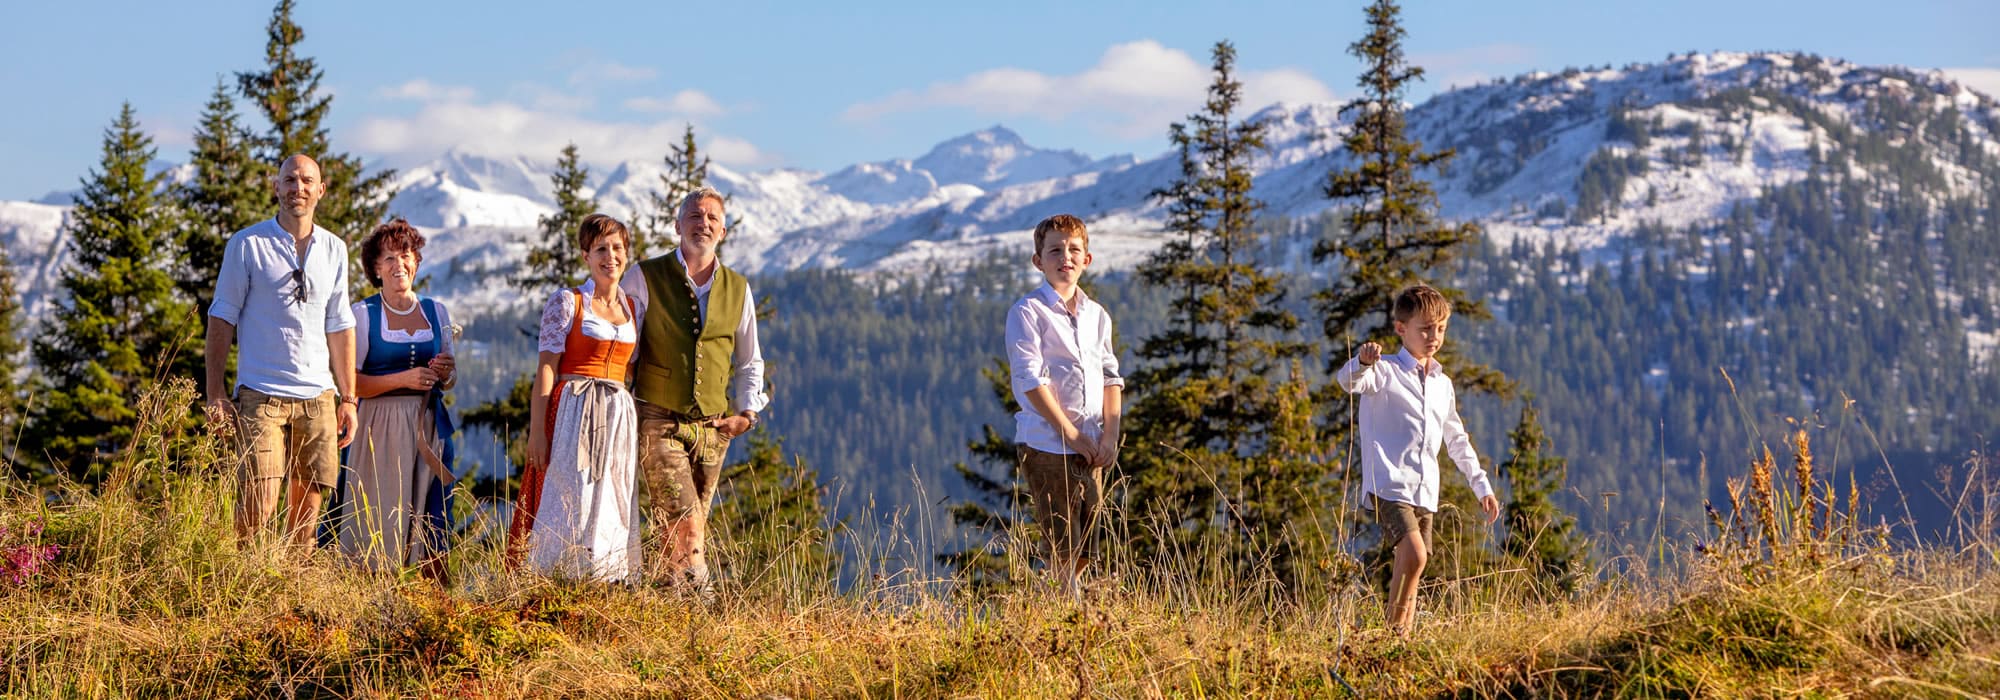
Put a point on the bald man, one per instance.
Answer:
(281, 298)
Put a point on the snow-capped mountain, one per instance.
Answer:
(994, 158)
(1719, 128)
(32, 234)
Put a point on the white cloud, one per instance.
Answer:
(507, 129)
(547, 99)
(1471, 65)
(1136, 89)
(1984, 80)
(729, 150)
(1283, 85)
(597, 72)
(692, 103)
(422, 90)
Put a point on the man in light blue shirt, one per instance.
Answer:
(281, 298)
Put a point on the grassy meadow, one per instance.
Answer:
(1792, 595)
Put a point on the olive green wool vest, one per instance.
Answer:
(684, 363)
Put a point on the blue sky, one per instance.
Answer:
(822, 85)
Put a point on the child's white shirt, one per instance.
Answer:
(1407, 415)
(1070, 353)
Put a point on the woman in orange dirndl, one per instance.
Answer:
(578, 513)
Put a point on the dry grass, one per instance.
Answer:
(151, 596)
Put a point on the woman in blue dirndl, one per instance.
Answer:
(395, 493)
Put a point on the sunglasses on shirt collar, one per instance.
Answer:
(298, 293)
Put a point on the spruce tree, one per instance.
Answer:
(119, 327)
(1538, 531)
(287, 93)
(686, 171)
(228, 192)
(554, 262)
(506, 417)
(1176, 361)
(999, 498)
(12, 330)
(1392, 238)
(1209, 464)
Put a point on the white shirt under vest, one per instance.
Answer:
(746, 381)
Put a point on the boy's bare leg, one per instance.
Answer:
(1408, 571)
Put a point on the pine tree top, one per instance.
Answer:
(555, 262)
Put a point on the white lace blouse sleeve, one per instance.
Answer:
(557, 315)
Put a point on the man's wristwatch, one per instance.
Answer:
(356, 400)
(751, 415)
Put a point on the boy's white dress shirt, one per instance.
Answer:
(1407, 415)
(1070, 353)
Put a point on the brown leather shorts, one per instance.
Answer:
(1068, 493)
(1399, 519)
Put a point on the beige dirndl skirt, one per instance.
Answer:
(388, 481)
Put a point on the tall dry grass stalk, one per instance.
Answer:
(153, 596)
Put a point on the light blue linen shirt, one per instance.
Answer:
(281, 343)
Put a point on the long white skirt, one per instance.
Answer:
(587, 525)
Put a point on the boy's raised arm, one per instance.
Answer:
(1359, 375)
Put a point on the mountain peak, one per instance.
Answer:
(992, 136)
(996, 156)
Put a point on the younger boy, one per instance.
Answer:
(1065, 377)
(1408, 411)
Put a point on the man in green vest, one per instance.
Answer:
(699, 381)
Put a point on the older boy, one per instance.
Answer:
(1065, 377)
(1408, 411)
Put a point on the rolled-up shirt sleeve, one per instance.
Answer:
(1111, 375)
(363, 331)
(339, 315)
(1024, 351)
(232, 284)
(446, 343)
(1357, 378)
(747, 382)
